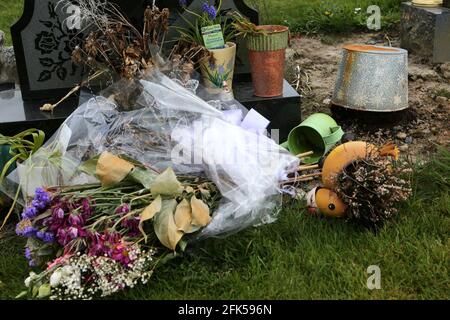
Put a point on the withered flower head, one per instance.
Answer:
(77, 56)
(90, 44)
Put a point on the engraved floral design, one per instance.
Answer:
(46, 42)
(56, 38)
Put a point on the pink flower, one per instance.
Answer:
(58, 261)
(123, 209)
(76, 220)
(58, 213)
(111, 245)
(132, 224)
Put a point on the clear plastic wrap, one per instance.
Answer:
(170, 127)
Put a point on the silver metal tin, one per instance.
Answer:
(372, 78)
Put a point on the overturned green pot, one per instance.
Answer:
(318, 133)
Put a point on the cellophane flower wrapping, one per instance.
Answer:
(169, 126)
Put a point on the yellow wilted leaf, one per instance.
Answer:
(200, 213)
(183, 216)
(166, 184)
(165, 227)
(111, 169)
(149, 213)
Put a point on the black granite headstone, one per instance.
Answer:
(43, 41)
(426, 31)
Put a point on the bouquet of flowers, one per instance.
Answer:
(100, 238)
(120, 202)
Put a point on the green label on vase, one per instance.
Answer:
(213, 37)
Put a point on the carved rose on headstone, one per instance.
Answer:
(46, 42)
(56, 43)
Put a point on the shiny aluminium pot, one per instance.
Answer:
(372, 78)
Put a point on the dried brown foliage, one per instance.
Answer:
(373, 187)
(116, 44)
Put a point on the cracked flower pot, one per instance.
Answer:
(267, 50)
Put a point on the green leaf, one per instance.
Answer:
(7, 166)
(45, 250)
(21, 295)
(90, 166)
(166, 184)
(44, 291)
(143, 176)
(183, 244)
(34, 292)
(165, 227)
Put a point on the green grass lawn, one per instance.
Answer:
(302, 257)
(10, 11)
(312, 16)
(301, 15)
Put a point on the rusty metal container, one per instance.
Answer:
(372, 78)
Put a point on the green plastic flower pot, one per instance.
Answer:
(318, 133)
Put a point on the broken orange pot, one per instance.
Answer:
(341, 157)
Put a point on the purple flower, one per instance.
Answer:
(132, 224)
(123, 209)
(28, 253)
(30, 213)
(209, 10)
(62, 236)
(87, 209)
(47, 237)
(38, 204)
(183, 3)
(41, 199)
(66, 235)
(76, 220)
(58, 213)
(72, 232)
(25, 229)
(111, 245)
(29, 257)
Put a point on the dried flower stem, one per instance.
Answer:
(51, 107)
